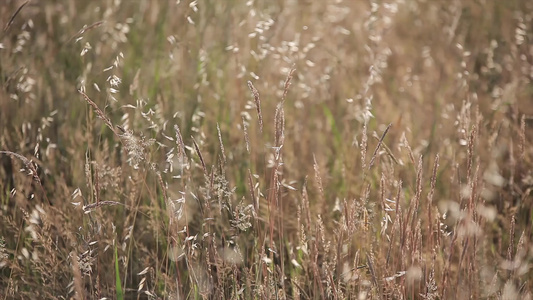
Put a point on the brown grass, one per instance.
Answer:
(261, 150)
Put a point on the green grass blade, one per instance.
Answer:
(118, 283)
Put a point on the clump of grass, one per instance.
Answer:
(382, 151)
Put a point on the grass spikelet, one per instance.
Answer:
(199, 153)
(433, 183)
(77, 277)
(99, 112)
(221, 144)
(252, 192)
(287, 84)
(10, 22)
(257, 101)
(378, 146)
(318, 181)
(179, 142)
(279, 121)
(511, 239)
(363, 146)
(245, 131)
(469, 161)
(522, 135)
(85, 29)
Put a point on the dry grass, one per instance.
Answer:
(266, 150)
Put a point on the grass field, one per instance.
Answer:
(254, 149)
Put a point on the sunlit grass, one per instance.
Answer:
(261, 150)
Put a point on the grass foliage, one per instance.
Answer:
(266, 149)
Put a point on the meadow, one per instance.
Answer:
(335, 149)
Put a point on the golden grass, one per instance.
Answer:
(265, 150)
